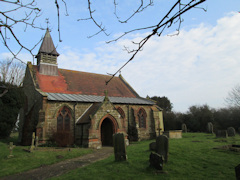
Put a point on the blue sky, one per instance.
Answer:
(199, 66)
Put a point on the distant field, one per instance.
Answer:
(192, 157)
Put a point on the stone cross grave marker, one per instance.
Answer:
(184, 128)
(10, 147)
(32, 145)
(119, 147)
(162, 146)
(159, 129)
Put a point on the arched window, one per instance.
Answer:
(142, 118)
(121, 112)
(63, 119)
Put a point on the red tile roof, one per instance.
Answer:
(76, 82)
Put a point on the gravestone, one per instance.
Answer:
(231, 131)
(184, 128)
(119, 147)
(36, 142)
(221, 134)
(162, 146)
(10, 147)
(237, 172)
(127, 142)
(210, 127)
(152, 146)
(156, 161)
(32, 145)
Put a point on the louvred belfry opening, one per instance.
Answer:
(47, 56)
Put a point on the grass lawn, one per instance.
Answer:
(23, 161)
(192, 157)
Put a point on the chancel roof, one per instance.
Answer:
(83, 83)
(47, 45)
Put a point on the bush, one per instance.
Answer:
(62, 138)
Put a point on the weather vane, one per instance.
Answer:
(47, 21)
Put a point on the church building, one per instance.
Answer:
(75, 107)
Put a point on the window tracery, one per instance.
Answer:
(63, 119)
(142, 118)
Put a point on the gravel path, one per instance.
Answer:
(60, 168)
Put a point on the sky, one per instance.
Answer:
(199, 66)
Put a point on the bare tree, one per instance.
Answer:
(27, 13)
(11, 73)
(233, 98)
(32, 11)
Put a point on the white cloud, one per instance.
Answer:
(199, 66)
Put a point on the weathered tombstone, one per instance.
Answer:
(32, 145)
(10, 147)
(152, 146)
(119, 147)
(221, 134)
(210, 127)
(237, 172)
(231, 131)
(184, 128)
(162, 146)
(127, 142)
(156, 161)
(36, 142)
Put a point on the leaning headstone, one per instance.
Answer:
(237, 172)
(32, 145)
(210, 127)
(184, 128)
(231, 131)
(152, 146)
(162, 146)
(221, 134)
(10, 147)
(156, 161)
(119, 147)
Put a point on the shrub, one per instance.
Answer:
(62, 138)
(10, 104)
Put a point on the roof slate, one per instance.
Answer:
(96, 99)
(85, 118)
(47, 45)
(84, 83)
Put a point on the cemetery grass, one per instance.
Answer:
(195, 156)
(24, 161)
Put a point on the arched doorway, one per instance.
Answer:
(107, 131)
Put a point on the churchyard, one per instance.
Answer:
(194, 156)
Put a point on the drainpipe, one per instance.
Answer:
(74, 118)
